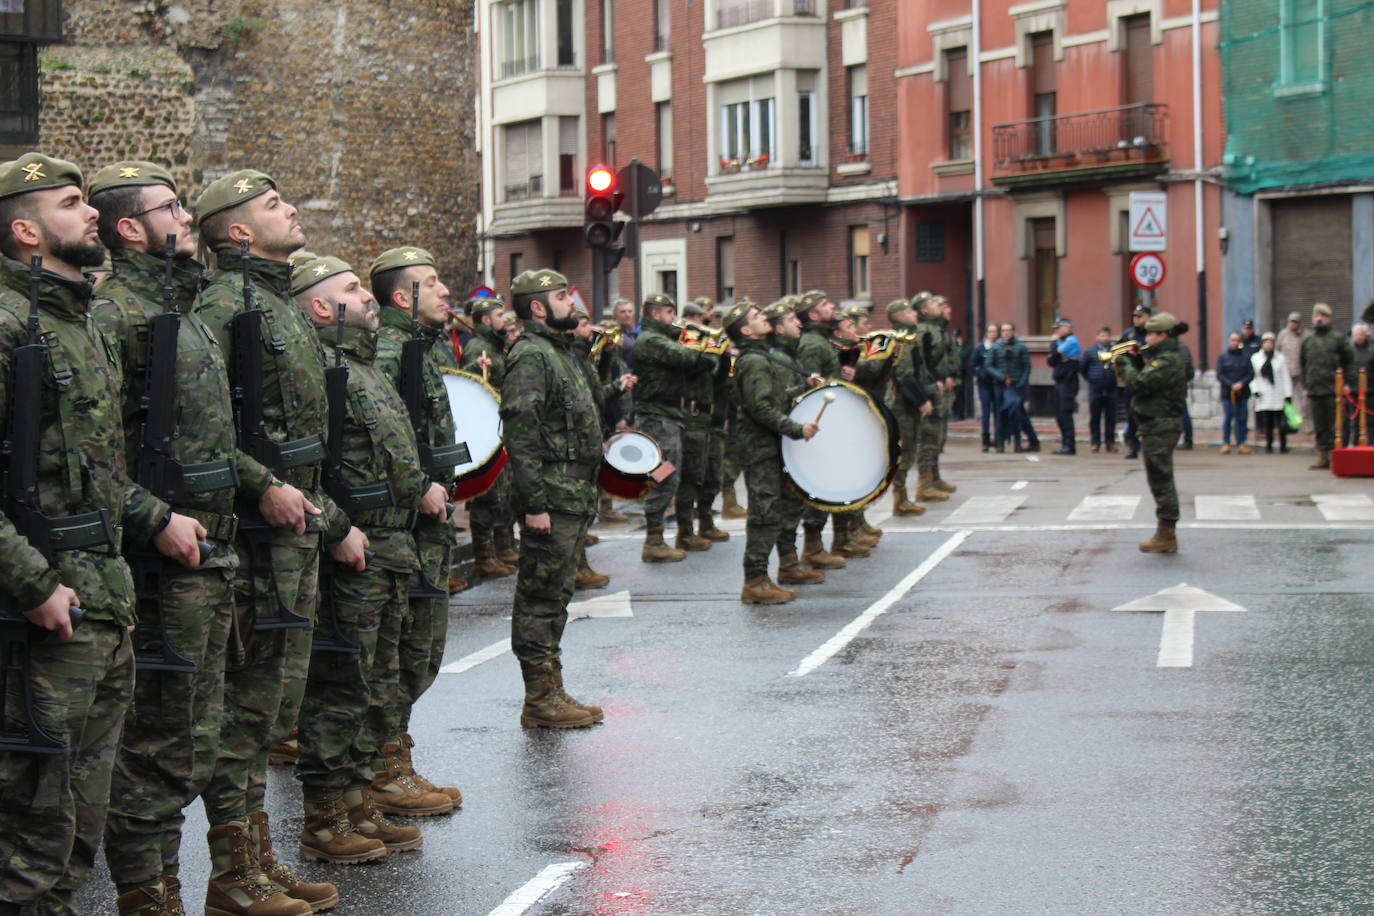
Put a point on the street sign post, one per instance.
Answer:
(1147, 270)
(1148, 221)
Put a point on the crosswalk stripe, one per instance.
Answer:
(1105, 509)
(1345, 507)
(983, 510)
(1226, 508)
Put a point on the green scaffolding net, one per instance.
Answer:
(1298, 89)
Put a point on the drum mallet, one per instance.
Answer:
(829, 398)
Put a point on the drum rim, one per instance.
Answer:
(854, 505)
(606, 449)
(485, 463)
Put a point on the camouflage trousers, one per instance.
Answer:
(352, 699)
(264, 678)
(1158, 436)
(710, 485)
(424, 631)
(52, 806)
(172, 733)
(697, 477)
(906, 431)
(543, 587)
(930, 440)
(790, 509)
(733, 458)
(766, 512)
(492, 510)
(1323, 409)
(669, 435)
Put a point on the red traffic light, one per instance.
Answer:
(600, 179)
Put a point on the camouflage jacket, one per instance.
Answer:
(872, 375)
(549, 417)
(1323, 352)
(783, 350)
(908, 375)
(663, 366)
(202, 410)
(1158, 380)
(699, 387)
(485, 341)
(378, 447)
(815, 352)
(763, 403)
(604, 391)
(722, 392)
(81, 463)
(437, 415)
(294, 405)
(936, 348)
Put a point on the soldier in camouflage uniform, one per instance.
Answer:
(1159, 388)
(935, 347)
(489, 515)
(722, 405)
(549, 416)
(1323, 352)
(817, 354)
(352, 698)
(764, 404)
(52, 806)
(872, 373)
(393, 275)
(901, 313)
(171, 736)
(697, 476)
(662, 406)
(953, 372)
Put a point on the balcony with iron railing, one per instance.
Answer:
(730, 13)
(1107, 145)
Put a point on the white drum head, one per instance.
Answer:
(847, 460)
(476, 418)
(631, 452)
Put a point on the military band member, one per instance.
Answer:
(1323, 352)
(872, 374)
(549, 416)
(393, 275)
(907, 378)
(697, 476)
(764, 405)
(489, 515)
(938, 356)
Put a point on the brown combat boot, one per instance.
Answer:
(1322, 463)
(487, 565)
(854, 533)
(503, 539)
(729, 505)
(287, 753)
(545, 706)
(940, 483)
(153, 900)
(457, 584)
(864, 528)
(792, 571)
(237, 885)
(706, 526)
(171, 890)
(371, 823)
(408, 767)
(395, 791)
(1164, 541)
(590, 540)
(761, 590)
(902, 505)
(657, 551)
(927, 492)
(813, 552)
(320, 896)
(606, 514)
(558, 675)
(588, 577)
(329, 836)
(686, 538)
(843, 545)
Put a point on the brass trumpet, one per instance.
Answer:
(1125, 346)
(605, 337)
(699, 337)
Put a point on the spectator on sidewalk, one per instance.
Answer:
(1064, 360)
(1273, 388)
(1102, 391)
(1249, 340)
(1010, 369)
(624, 314)
(1289, 343)
(987, 388)
(1234, 374)
(1363, 348)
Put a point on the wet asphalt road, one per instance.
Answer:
(999, 741)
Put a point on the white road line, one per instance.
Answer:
(1228, 508)
(550, 879)
(1020, 484)
(1032, 458)
(1344, 507)
(1105, 509)
(899, 527)
(495, 650)
(879, 607)
(978, 510)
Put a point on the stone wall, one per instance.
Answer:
(361, 109)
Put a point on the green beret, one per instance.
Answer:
(736, 313)
(36, 172)
(405, 256)
(1321, 308)
(537, 281)
(231, 190)
(299, 257)
(775, 310)
(305, 274)
(705, 302)
(1161, 322)
(897, 305)
(134, 173)
(920, 298)
(811, 298)
(481, 306)
(659, 300)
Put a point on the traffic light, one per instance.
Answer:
(603, 199)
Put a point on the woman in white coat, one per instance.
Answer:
(1271, 389)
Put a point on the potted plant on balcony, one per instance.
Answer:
(729, 166)
(758, 162)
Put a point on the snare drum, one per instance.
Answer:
(627, 464)
(852, 458)
(476, 411)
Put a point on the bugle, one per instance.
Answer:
(698, 337)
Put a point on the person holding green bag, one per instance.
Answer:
(1272, 389)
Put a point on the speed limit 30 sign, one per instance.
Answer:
(1147, 270)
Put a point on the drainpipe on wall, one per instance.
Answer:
(980, 285)
(1200, 253)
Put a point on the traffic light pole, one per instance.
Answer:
(633, 197)
(599, 291)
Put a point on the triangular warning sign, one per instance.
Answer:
(1148, 227)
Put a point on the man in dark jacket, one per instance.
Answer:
(1323, 352)
(1363, 349)
(1009, 368)
(1102, 392)
(1064, 359)
(1234, 374)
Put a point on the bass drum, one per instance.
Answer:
(852, 458)
(476, 411)
(628, 461)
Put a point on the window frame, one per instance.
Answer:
(1289, 82)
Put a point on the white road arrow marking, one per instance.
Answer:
(616, 605)
(1179, 604)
